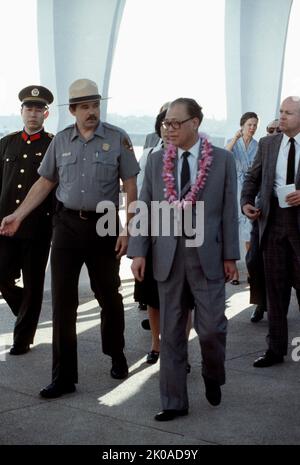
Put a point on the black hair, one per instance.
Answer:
(246, 116)
(193, 108)
(158, 122)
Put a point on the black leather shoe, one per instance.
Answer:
(145, 324)
(257, 314)
(119, 369)
(56, 389)
(268, 359)
(152, 357)
(212, 391)
(167, 415)
(19, 350)
(142, 306)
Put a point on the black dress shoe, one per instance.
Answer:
(19, 350)
(152, 357)
(145, 324)
(212, 391)
(258, 314)
(268, 359)
(142, 306)
(167, 415)
(56, 389)
(119, 369)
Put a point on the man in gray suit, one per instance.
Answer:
(176, 264)
(276, 165)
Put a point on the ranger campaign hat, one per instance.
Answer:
(83, 90)
(36, 94)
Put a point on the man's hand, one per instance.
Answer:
(293, 199)
(9, 225)
(138, 268)
(251, 212)
(230, 269)
(121, 245)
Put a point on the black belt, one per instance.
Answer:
(83, 214)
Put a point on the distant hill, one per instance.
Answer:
(9, 123)
(136, 126)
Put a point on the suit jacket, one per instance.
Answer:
(260, 178)
(220, 217)
(152, 140)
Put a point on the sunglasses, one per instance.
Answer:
(272, 130)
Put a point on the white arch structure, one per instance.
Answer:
(77, 39)
(255, 40)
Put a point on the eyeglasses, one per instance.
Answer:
(271, 130)
(174, 124)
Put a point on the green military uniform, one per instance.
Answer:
(20, 157)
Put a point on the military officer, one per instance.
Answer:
(20, 156)
(86, 162)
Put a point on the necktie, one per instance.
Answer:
(185, 174)
(290, 172)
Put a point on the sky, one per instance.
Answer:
(154, 45)
(150, 42)
(19, 53)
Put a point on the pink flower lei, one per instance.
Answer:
(168, 173)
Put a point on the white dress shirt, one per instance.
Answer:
(281, 166)
(193, 162)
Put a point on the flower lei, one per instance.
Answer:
(168, 176)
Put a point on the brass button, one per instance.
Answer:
(22, 171)
(17, 201)
(19, 186)
(25, 155)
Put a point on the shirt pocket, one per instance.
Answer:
(67, 167)
(8, 158)
(105, 166)
(10, 164)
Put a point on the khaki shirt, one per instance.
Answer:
(88, 172)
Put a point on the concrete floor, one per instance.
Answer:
(259, 406)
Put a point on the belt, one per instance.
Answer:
(82, 214)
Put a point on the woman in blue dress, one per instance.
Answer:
(244, 148)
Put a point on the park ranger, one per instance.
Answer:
(85, 163)
(20, 156)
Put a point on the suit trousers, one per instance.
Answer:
(67, 258)
(281, 251)
(255, 266)
(210, 324)
(30, 256)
